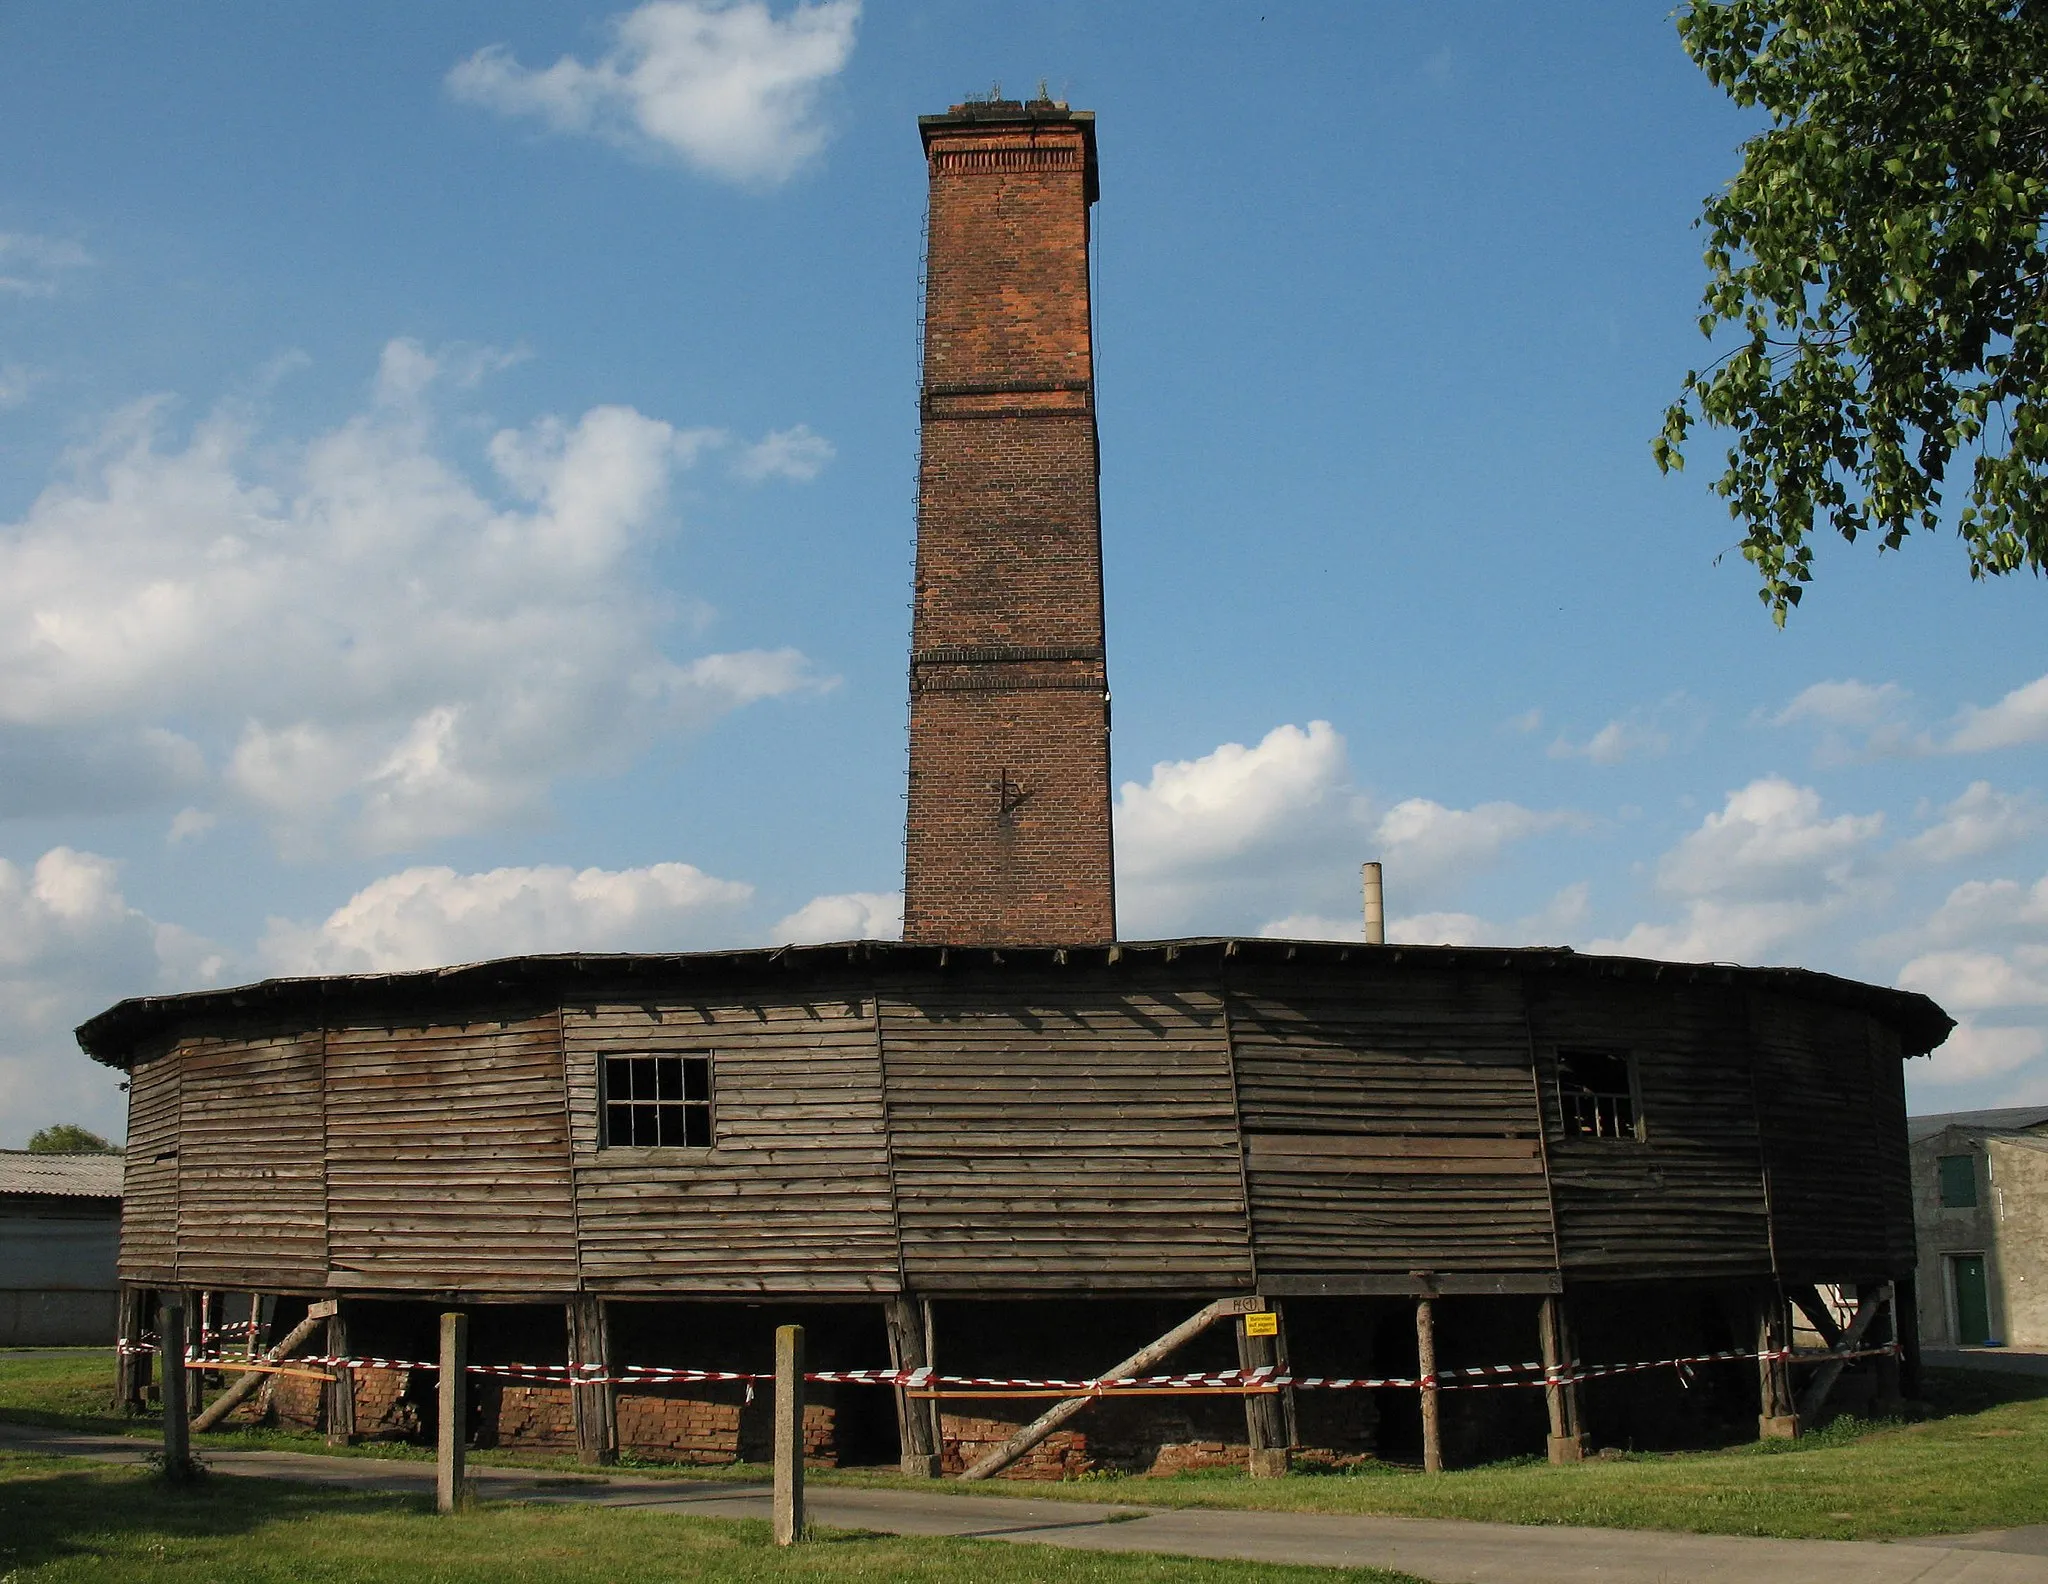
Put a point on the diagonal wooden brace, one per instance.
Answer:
(1044, 1425)
(1870, 1304)
(245, 1388)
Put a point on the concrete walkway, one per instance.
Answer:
(1441, 1550)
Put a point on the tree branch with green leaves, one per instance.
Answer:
(1879, 261)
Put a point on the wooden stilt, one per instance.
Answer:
(452, 1433)
(1567, 1442)
(339, 1399)
(593, 1405)
(1906, 1317)
(132, 1364)
(1265, 1419)
(917, 1419)
(1885, 1329)
(1425, 1371)
(170, 1325)
(789, 1435)
(1776, 1417)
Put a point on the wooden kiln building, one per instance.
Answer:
(1013, 1146)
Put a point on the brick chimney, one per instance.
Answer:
(1008, 836)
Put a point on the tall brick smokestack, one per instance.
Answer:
(1008, 839)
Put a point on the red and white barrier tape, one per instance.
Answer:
(1266, 1378)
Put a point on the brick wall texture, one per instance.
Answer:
(1008, 835)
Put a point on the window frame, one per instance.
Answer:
(1638, 1131)
(708, 1105)
(1941, 1182)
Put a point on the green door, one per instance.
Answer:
(1973, 1302)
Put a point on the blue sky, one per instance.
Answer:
(456, 469)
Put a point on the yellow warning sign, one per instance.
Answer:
(1262, 1323)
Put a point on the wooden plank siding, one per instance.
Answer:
(448, 1158)
(1687, 1199)
(252, 1192)
(1060, 1133)
(1390, 1124)
(1890, 1160)
(149, 1174)
(793, 1195)
(1833, 1191)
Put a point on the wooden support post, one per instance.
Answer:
(1567, 1442)
(453, 1431)
(170, 1327)
(593, 1405)
(1044, 1425)
(1906, 1317)
(131, 1363)
(1885, 1329)
(789, 1434)
(248, 1384)
(1265, 1420)
(339, 1398)
(917, 1418)
(1425, 1373)
(1776, 1417)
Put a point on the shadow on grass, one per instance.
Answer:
(62, 1512)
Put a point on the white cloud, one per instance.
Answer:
(1614, 743)
(1982, 820)
(1768, 841)
(1978, 981)
(1975, 1051)
(1277, 831)
(1858, 721)
(16, 381)
(189, 824)
(1757, 878)
(1422, 842)
(32, 266)
(786, 453)
(428, 917)
(731, 89)
(2020, 718)
(70, 945)
(356, 635)
(1442, 929)
(851, 915)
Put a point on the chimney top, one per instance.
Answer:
(994, 113)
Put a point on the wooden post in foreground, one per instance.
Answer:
(593, 1405)
(1425, 1374)
(1265, 1421)
(1567, 1443)
(916, 1417)
(1776, 1418)
(789, 1434)
(454, 1425)
(338, 1397)
(170, 1325)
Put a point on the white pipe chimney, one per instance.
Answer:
(1375, 907)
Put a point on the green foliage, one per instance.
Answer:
(1880, 259)
(68, 1138)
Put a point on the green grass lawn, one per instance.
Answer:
(63, 1520)
(1974, 1457)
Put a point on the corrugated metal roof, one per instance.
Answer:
(112, 1036)
(63, 1176)
(2011, 1119)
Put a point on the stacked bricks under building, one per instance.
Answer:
(1008, 837)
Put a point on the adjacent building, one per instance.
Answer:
(60, 1243)
(1980, 1207)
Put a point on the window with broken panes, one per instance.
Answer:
(1596, 1093)
(663, 1101)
